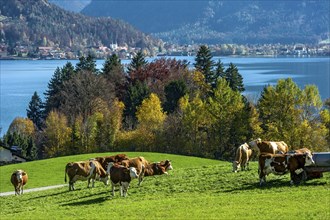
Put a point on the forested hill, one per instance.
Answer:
(222, 21)
(39, 22)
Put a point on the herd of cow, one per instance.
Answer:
(274, 157)
(118, 169)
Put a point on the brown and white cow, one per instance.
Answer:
(272, 147)
(85, 170)
(166, 164)
(243, 155)
(121, 176)
(104, 161)
(140, 163)
(19, 178)
(155, 169)
(280, 164)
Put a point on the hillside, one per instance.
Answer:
(196, 188)
(39, 23)
(222, 21)
(72, 5)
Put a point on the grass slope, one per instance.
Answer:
(196, 189)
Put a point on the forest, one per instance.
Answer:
(165, 106)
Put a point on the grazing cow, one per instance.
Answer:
(85, 170)
(243, 154)
(280, 164)
(272, 147)
(139, 163)
(154, 169)
(166, 164)
(19, 178)
(122, 176)
(104, 161)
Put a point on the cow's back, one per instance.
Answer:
(266, 147)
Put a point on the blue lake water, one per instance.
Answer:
(20, 78)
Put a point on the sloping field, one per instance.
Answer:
(196, 189)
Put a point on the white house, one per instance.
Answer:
(10, 155)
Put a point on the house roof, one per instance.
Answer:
(14, 153)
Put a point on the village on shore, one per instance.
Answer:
(23, 51)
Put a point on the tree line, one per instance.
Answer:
(165, 106)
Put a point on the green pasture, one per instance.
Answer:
(197, 188)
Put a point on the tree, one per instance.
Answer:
(173, 92)
(225, 107)
(219, 70)
(234, 78)
(150, 114)
(151, 119)
(22, 126)
(84, 94)
(135, 95)
(57, 134)
(35, 110)
(87, 64)
(137, 64)
(52, 93)
(205, 64)
(113, 71)
(292, 115)
(55, 86)
(278, 112)
(111, 64)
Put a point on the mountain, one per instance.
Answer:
(241, 21)
(71, 5)
(38, 22)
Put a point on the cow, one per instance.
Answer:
(272, 147)
(85, 170)
(166, 164)
(301, 151)
(243, 155)
(122, 176)
(139, 163)
(281, 164)
(104, 161)
(154, 169)
(19, 178)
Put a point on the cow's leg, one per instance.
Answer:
(88, 182)
(121, 189)
(22, 189)
(93, 181)
(262, 178)
(113, 189)
(125, 186)
(140, 178)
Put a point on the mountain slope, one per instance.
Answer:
(222, 21)
(71, 5)
(39, 22)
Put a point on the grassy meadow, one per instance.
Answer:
(197, 188)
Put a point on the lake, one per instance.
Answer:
(20, 78)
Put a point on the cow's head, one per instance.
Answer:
(236, 166)
(109, 167)
(168, 165)
(19, 175)
(254, 144)
(309, 159)
(133, 172)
